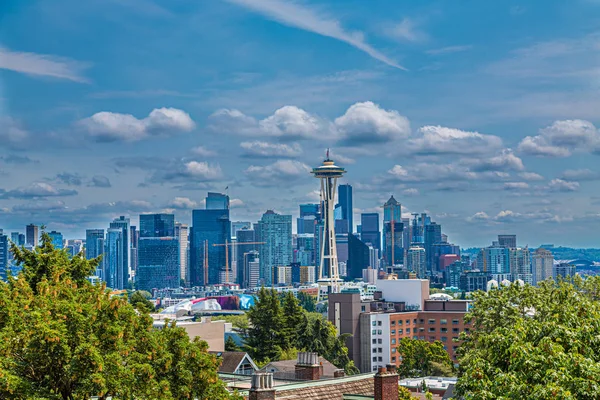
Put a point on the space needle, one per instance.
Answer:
(328, 173)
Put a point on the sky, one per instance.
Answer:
(484, 114)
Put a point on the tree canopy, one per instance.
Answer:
(62, 337)
(533, 343)
(422, 358)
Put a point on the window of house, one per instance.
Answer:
(380, 359)
(394, 350)
(393, 341)
(393, 359)
(399, 322)
(415, 321)
(374, 350)
(378, 323)
(379, 332)
(375, 360)
(455, 322)
(408, 322)
(400, 331)
(407, 330)
(431, 329)
(374, 332)
(374, 323)
(379, 341)
(454, 330)
(374, 341)
(393, 332)
(431, 321)
(421, 329)
(443, 321)
(380, 350)
(393, 323)
(362, 308)
(444, 339)
(443, 329)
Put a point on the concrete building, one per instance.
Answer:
(32, 235)
(275, 231)
(543, 263)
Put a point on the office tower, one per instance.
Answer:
(276, 231)
(244, 235)
(57, 239)
(520, 264)
(416, 261)
(123, 224)
(182, 235)
(370, 233)
(217, 201)
(393, 228)
(509, 241)
(328, 173)
(209, 227)
(359, 257)
(22, 239)
(252, 268)
(543, 263)
(94, 243)
(32, 234)
(494, 260)
(433, 235)
(14, 237)
(420, 221)
(564, 271)
(373, 258)
(309, 216)
(442, 254)
(158, 253)
(238, 225)
(345, 205)
(406, 234)
(4, 256)
(282, 275)
(134, 236)
(113, 259)
(305, 246)
(453, 273)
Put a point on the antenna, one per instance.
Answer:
(327, 153)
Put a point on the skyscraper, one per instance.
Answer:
(217, 201)
(57, 239)
(113, 259)
(370, 233)
(158, 253)
(32, 235)
(134, 236)
(543, 262)
(416, 261)
(4, 256)
(122, 223)
(309, 216)
(520, 264)
(393, 228)
(244, 235)
(237, 225)
(345, 203)
(358, 257)
(182, 235)
(276, 231)
(94, 243)
(494, 260)
(509, 241)
(252, 268)
(209, 227)
(433, 236)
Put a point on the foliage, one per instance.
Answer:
(231, 345)
(239, 322)
(63, 338)
(533, 343)
(421, 358)
(289, 354)
(293, 317)
(404, 393)
(308, 302)
(140, 302)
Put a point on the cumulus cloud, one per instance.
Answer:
(368, 123)
(479, 216)
(559, 185)
(183, 203)
(110, 127)
(69, 179)
(580, 175)
(281, 171)
(100, 181)
(507, 161)
(443, 140)
(516, 185)
(424, 172)
(43, 65)
(12, 133)
(531, 176)
(37, 190)
(562, 138)
(406, 31)
(267, 150)
(189, 171)
(410, 192)
(203, 152)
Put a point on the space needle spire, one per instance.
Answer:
(329, 273)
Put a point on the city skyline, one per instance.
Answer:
(487, 129)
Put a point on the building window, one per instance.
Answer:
(466, 330)
(393, 323)
(362, 308)
(421, 329)
(443, 321)
(455, 322)
(408, 322)
(380, 350)
(379, 341)
(374, 323)
(380, 359)
(444, 330)
(431, 329)
(375, 360)
(374, 341)
(444, 339)
(379, 332)
(393, 341)
(374, 350)
(393, 332)
(400, 331)
(378, 323)
(432, 338)
(393, 359)
(431, 321)
(374, 332)
(421, 321)
(407, 330)
(399, 322)
(394, 350)
(454, 330)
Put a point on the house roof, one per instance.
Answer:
(331, 389)
(289, 366)
(232, 360)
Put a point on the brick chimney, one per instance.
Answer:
(262, 387)
(308, 367)
(386, 383)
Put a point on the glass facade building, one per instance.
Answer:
(123, 224)
(276, 231)
(208, 227)
(370, 233)
(94, 243)
(113, 259)
(217, 201)
(57, 239)
(32, 234)
(345, 204)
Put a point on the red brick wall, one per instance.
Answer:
(386, 386)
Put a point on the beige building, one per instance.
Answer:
(212, 332)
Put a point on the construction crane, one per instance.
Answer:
(227, 244)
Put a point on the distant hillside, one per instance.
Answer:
(560, 253)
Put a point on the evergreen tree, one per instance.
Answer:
(231, 345)
(421, 358)
(293, 317)
(307, 301)
(265, 339)
(140, 302)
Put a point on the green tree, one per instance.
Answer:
(421, 358)
(63, 338)
(265, 339)
(140, 302)
(231, 345)
(404, 393)
(307, 301)
(293, 317)
(533, 343)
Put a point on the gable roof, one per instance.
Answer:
(232, 360)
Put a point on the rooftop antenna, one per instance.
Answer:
(327, 153)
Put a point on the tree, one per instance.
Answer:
(62, 337)
(140, 302)
(307, 301)
(533, 343)
(293, 317)
(404, 393)
(265, 339)
(421, 358)
(231, 345)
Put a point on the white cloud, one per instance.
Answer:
(442, 140)
(37, 190)
(580, 175)
(281, 171)
(291, 122)
(303, 17)
(410, 192)
(531, 176)
(265, 149)
(108, 126)
(367, 122)
(506, 161)
(406, 30)
(449, 50)
(562, 138)
(12, 134)
(42, 65)
(178, 171)
(478, 216)
(236, 203)
(424, 172)
(203, 152)
(559, 185)
(516, 185)
(182, 203)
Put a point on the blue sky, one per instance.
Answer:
(484, 114)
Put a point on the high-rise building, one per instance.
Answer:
(94, 243)
(158, 253)
(370, 233)
(282, 275)
(345, 204)
(433, 236)
(252, 268)
(57, 239)
(509, 241)
(416, 261)
(32, 235)
(543, 263)
(420, 221)
(182, 235)
(238, 225)
(393, 232)
(520, 264)
(494, 260)
(276, 231)
(123, 224)
(306, 249)
(209, 227)
(244, 235)
(564, 271)
(358, 257)
(309, 217)
(113, 259)
(14, 237)
(217, 201)
(4, 256)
